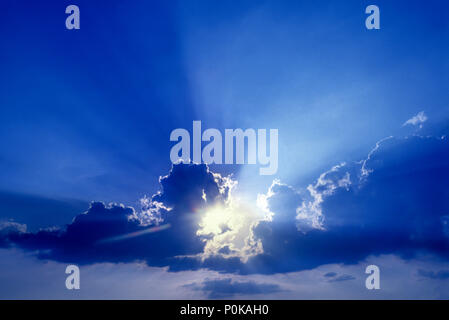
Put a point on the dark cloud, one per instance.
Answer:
(90, 236)
(330, 274)
(393, 202)
(7, 229)
(396, 201)
(341, 278)
(185, 185)
(334, 277)
(227, 288)
(439, 275)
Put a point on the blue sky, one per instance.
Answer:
(85, 120)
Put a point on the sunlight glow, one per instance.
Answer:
(215, 220)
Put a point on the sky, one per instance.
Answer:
(363, 155)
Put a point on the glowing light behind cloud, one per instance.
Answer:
(228, 227)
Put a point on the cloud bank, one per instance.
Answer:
(393, 202)
(164, 229)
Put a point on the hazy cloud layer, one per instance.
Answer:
(226, 288)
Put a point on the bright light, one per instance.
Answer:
(215, 220)
(227, 228)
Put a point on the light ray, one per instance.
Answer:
(135, 234)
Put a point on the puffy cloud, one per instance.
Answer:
(309, 214)
(393, 201)
(280, 205)
(165, 228)
(418, 119)
(8, 228)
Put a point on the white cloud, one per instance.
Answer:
(309, 214)
(364, 171)
(419, 119)
(227, 226)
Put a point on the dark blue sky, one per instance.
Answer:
(86, 115)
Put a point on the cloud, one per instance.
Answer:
(418, 119)
(226, 288)
(392, 202)
(440, 275)
(7, 229)
(333, 277)
(330, 274)
(22, 276)
(164, 229)
(395, 201)
(343, 277)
